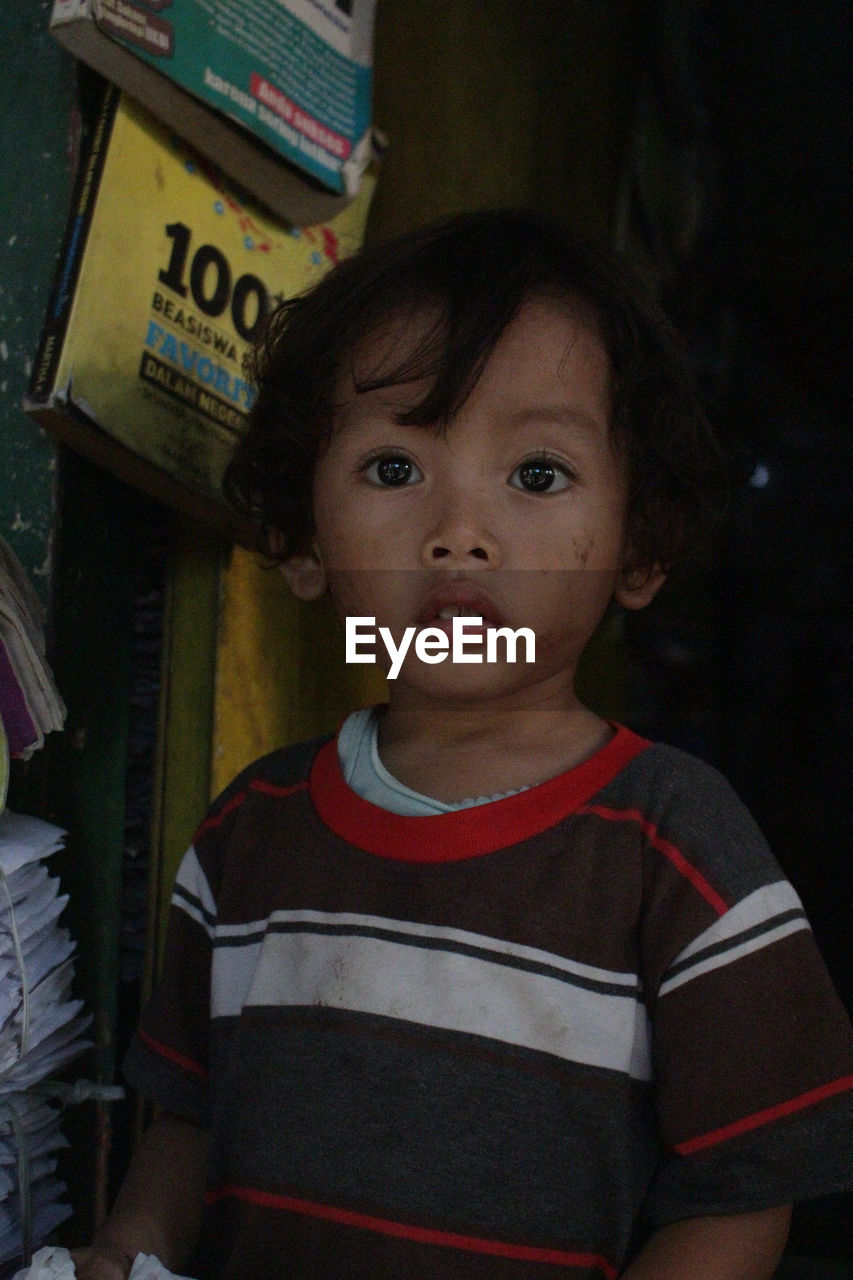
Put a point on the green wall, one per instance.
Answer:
(36, 96)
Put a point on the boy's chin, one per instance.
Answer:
(463, 681)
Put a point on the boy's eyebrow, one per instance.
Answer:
(355, 412)
(562, 415)
(393, 398)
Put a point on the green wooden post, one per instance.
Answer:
(36, 95)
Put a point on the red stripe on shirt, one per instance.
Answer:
(188, 1064)
(408, 1231)
(669, 851)
(257, 784)
(274, 789)
(764, 1117)
(215, 818)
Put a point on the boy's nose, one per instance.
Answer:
(460, 538)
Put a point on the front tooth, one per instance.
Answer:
(450, 611)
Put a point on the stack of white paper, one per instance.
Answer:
(41, 1030)
(57, 1264)
(29, 1140)
(29, 702)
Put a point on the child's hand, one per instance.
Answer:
(102, 1262)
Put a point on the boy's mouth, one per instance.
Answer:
(458, 600)
(457, 611)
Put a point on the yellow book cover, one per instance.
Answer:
(165, 278)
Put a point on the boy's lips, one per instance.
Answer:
(455, 599)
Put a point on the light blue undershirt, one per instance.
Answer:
(368, 777)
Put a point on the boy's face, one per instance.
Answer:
(516, 513)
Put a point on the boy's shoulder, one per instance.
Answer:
(688, 809)
(272, 774)
(669, 776)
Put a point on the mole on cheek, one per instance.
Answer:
(583, 548)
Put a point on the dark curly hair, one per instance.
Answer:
(473, 273)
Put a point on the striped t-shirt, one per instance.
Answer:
(494, 1043)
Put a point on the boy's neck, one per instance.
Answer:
(456, 752)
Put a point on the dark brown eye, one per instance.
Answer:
(392, 471)
(540, 475)
(536, 475)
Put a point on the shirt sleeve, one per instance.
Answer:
(752, 1047)
(168, 1057)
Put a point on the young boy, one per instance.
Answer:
(485, 986)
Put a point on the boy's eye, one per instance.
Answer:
(392, 470)
(540, 475)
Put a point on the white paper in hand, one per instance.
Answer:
(48, 1264)
(147, 1267)
(56, 1264)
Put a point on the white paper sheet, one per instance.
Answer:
(56, 1264)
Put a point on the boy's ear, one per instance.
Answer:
(305, 574)
(637, 587)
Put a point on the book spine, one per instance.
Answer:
(83, 202)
